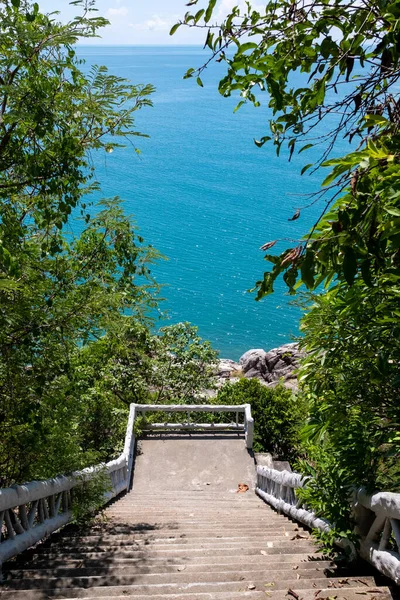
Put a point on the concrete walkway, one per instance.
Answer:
(193, 463)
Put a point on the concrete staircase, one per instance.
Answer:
(184, 533)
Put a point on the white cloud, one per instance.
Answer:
(118, 12)
(156, 23)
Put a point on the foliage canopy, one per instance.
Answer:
(52, 115)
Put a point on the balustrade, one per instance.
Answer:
(377, 517)
(246, 427)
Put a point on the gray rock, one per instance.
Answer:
(274, 365)
(253, 374)
(253, 359)
(226, 368)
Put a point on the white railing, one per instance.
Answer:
(377, 517)
(378, 524)
(278, 489)
(246, 427)
(32, 511)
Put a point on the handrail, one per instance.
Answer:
(378, 524)
(32, 511)
(377, 517)
(247, 426)
(278, 489)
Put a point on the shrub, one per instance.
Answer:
(277, 414)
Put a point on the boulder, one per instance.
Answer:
(276, 364)
(253, 359)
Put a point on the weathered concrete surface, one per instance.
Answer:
(202, 462)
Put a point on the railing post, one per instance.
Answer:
(129, 449)
(249, 425)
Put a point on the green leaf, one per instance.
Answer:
(247, 46)
(304, 169)
(16, 3)
(198, 15)
(199, 82)
(239, 105)
(335, 173)
(175, 28)
(306, 147)
(393, 211)
(375, 120)
(209, 11)
(320, 92)
(366, 272)
(276, 92)
(349, 265)
(260, 143)
(307, 269)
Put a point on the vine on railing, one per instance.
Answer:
(377, 517)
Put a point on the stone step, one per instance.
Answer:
(213, 516)
(168, 539)
(249, 500)
(198, 496)
(183, 546)
(227, 583)
(223, 559)
(171, 552)
(198, 520)
(192, 532)
(178, 573)
(200, 504)
(159, 566)
(230, 498)
(116, 593)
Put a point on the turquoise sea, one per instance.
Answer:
(207, 197)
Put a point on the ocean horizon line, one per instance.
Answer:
(140, 45)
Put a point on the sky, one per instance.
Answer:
(140, 21)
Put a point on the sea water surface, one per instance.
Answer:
(206, 197)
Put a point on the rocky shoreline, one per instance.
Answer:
(268, 367)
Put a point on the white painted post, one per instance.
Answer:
(129, 448)
(249, 425)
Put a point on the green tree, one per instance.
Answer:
(136, 365)
(51, 419)
(60, 293)
(351, 378)
(349, 55)
(52, 115)
(183, 364)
